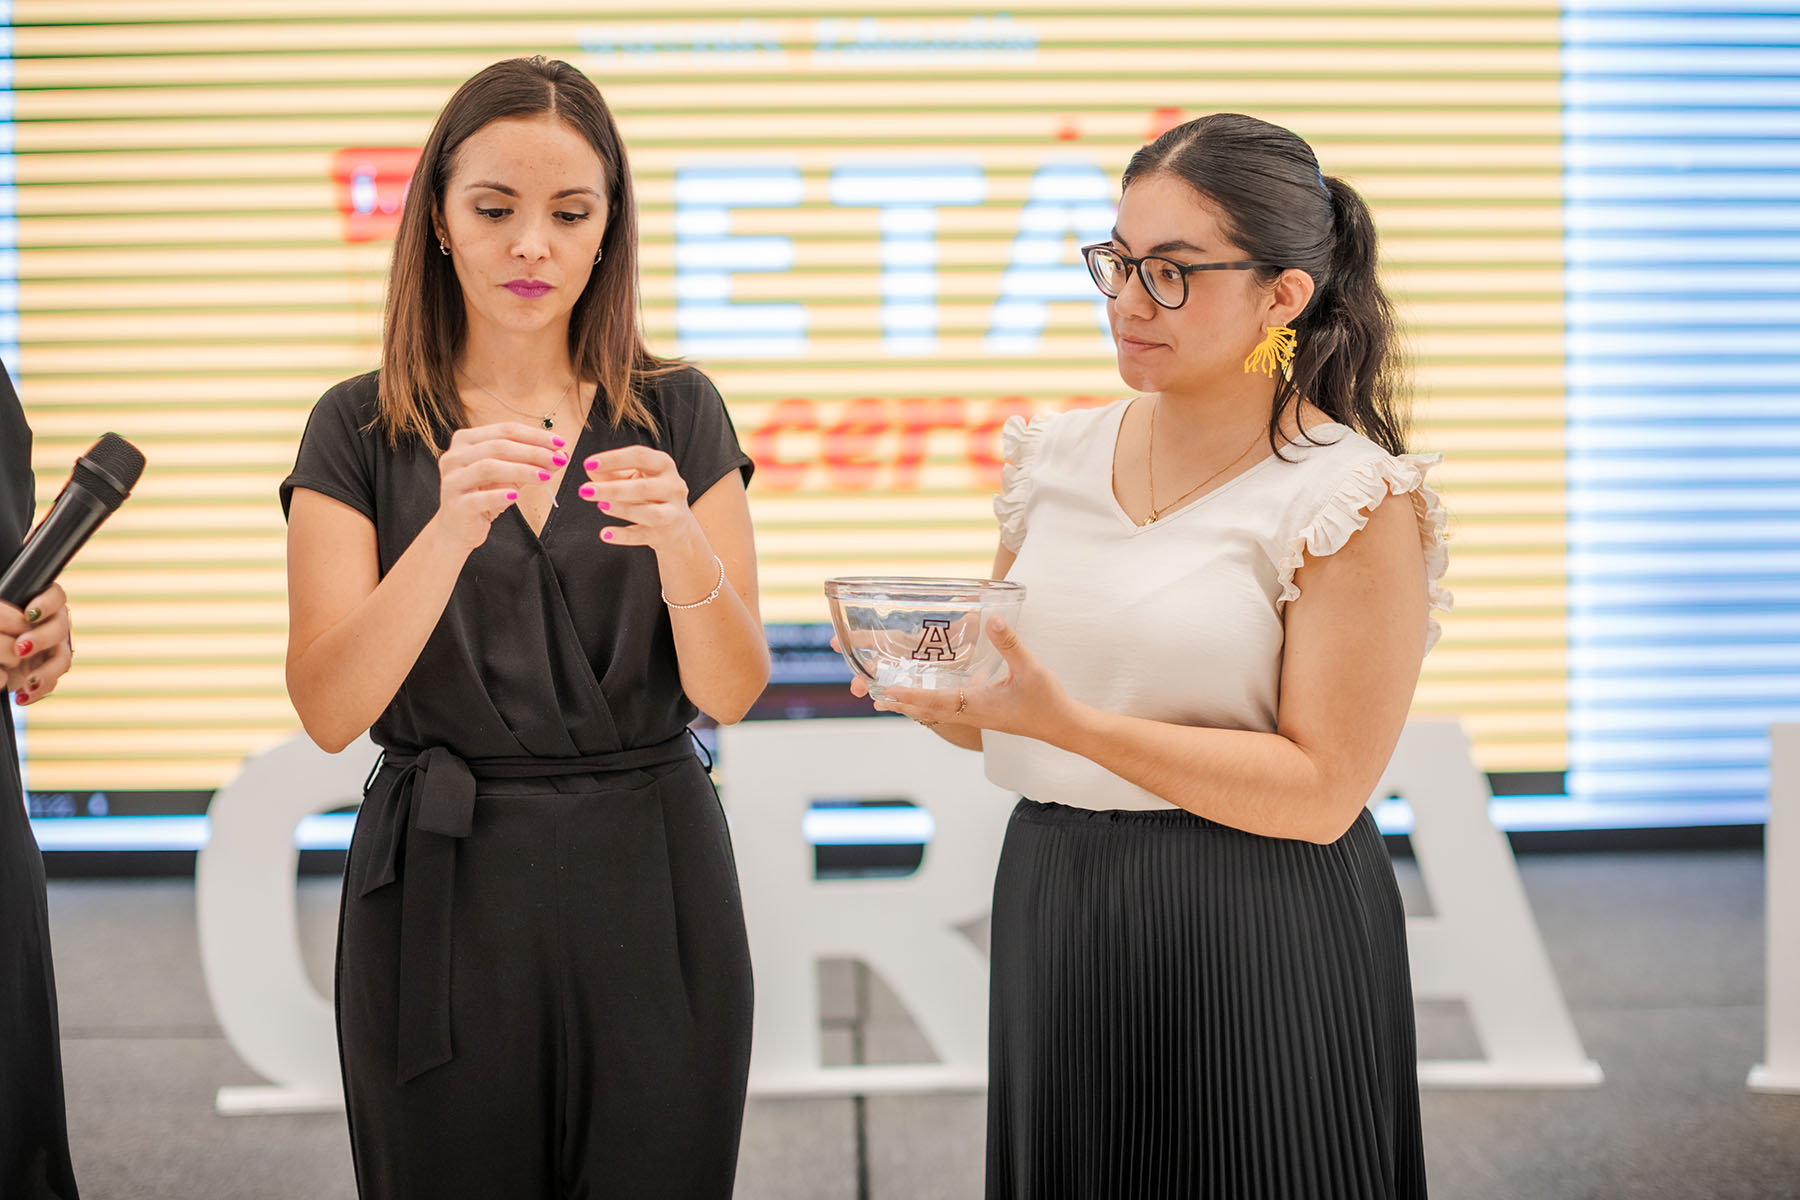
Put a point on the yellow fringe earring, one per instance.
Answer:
(1275, 350)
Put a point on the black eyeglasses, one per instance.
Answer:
(1164, 279)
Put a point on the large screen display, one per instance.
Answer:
(863, 224)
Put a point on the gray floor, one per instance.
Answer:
(1659, 955)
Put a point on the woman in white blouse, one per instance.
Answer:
(1200, 985)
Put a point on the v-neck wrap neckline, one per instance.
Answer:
(553, 644)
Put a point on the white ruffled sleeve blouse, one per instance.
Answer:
(1179, 621)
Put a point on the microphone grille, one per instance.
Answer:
(114, 463)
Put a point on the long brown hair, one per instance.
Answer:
(1279, 208)
(425, 319)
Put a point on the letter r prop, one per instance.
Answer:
(903, 929)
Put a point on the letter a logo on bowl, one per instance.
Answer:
(935, 645)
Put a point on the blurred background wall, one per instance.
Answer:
(862, 222)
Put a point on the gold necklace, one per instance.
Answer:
(548, 420)
(1150, 469)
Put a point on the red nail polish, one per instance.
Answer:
(23, 698)
(557, 442)
(512, 495)
(606, 535)
(22, 647)
(606, 506)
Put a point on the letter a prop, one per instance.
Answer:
(1482, 946)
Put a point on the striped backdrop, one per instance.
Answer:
(863, 226)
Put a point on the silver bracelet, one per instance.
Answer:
(710, 596)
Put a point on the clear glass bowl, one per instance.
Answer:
(903, 631)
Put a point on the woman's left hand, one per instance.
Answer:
(1030, 701)
(35, 653)
(639, 485)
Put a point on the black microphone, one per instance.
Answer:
(102, 478)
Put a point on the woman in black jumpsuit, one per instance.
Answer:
(543, 979)
(34, 1139)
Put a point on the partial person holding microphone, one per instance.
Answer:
(520, 555)
(1200, 982)
(34, 654)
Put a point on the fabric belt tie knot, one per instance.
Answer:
(434, 805)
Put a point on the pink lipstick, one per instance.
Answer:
(530, 289)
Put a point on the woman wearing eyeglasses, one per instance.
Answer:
(1200, 983)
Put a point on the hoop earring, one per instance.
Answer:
(597, 255)
(1276, 350)
(443, 248)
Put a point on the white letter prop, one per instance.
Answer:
(1780, 1069)
(1482, 946)
(904, 929)
(244, 888)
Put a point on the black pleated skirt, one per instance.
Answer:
(1182, 1009)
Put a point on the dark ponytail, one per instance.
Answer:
(1278, 208)
(1346, 334)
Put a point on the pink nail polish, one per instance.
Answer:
(585, 491)
(606, 506)
(558, 460)
(557, 442)
(512, 495)
(606, 535)
(589, 464)
(544, 476)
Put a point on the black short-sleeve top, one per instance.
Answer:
(552, 645)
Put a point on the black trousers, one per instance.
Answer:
(34, 1139)
(599, 1001)
(1184, 1011)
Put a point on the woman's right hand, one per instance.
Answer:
(482, 471)
(36, 647)
(966, 736)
